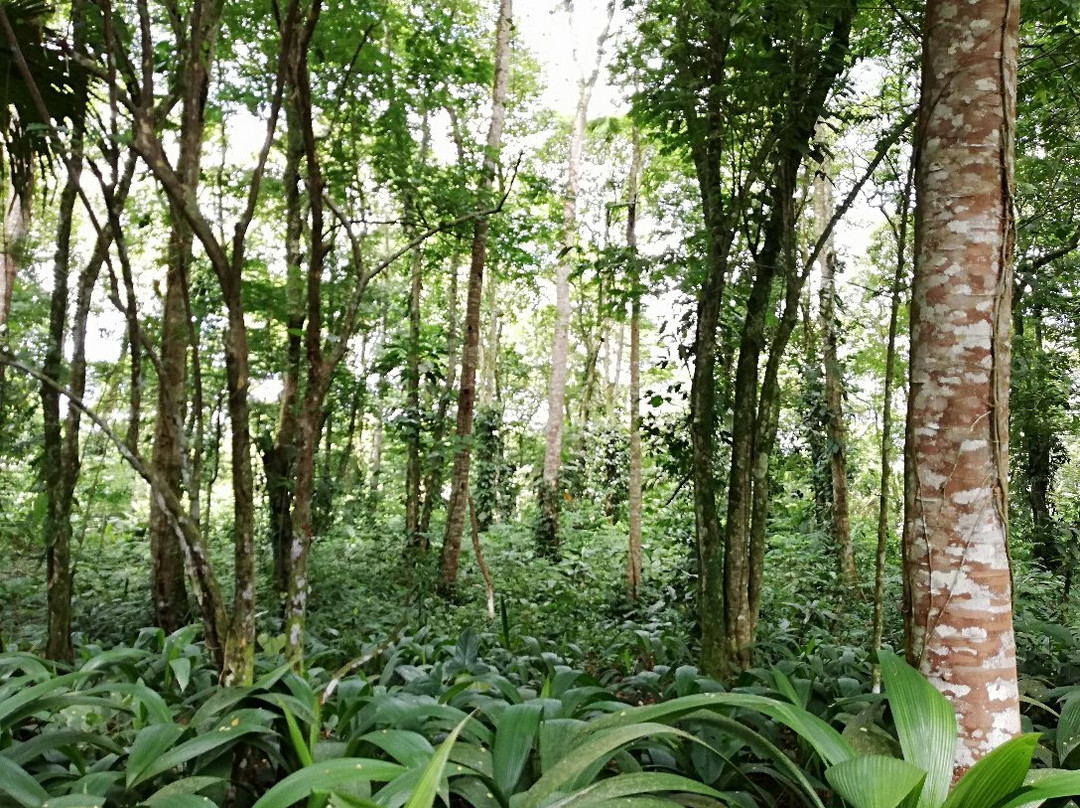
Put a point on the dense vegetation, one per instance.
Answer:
(385, 420)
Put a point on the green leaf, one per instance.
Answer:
(995, 776)
(825, 740)
(407, 748)
(300, 747)
(226, 734)
(514, 738)
(428, 787)
(180, 801)
(51, 740)
(23, 702)
(632, 785)
(17, 784)
(185, 785)
(476, 792)
(874, 781)
(181, 668)
(75, 801)
(156, 709)
(563, 776)
(1068, 730)
(325, 777)
(1045, 785)
(150, 744)
(925, 724)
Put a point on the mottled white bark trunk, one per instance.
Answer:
(560, 344)
(958, 588)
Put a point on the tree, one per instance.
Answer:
(470, 349)
(958, 598)
(547, 530)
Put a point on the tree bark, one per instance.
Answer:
(633, 556)
(836, 441)
(60, 468)
(547, 528)
(459, 482)
(958, 601)
(901, 234)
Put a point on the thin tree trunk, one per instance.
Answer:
(436, 461)
(459, 483)
(957, 570)
(547, 528)
(279, 459)
(169, 587)
(836, 441)
(60, 469)
(901, 233)
(413, 467)
(633, 559)
(17, 215)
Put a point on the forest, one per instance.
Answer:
(560, 404)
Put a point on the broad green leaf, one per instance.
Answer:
(825, 740)
(180, 801)
(20, 786)
(24, 702)
(557, 737)
(476, 792)
(75, 801)
(185, 785)
(925, 724)
(150, 744)
(514, 738)
(156, 709)
(424, 794)
(227, 734)
(563, 776)
(1047, 786)
(874, 781)
(181, 668)
(765, 750)
(995, 776)
(633, 785)
(1068, 730)
(51, 740)
(407, 748)
(325, 777)
(339, 800)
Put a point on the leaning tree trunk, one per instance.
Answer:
(957, 576)
(459, 481)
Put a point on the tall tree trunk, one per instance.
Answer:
(436, 461)
(459, 482)
(900, 231)
(17, 213)
(547, 528)
(958, 600)
(413, 426)
(169, 587)
(279, 459)
(839, 517)
(60, 469)
(633, 558)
